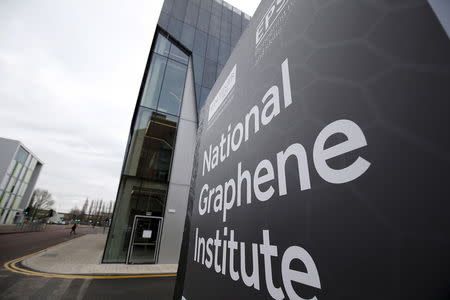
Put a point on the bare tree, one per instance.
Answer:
(99, 208)
(110, 208)
(42, 200)
(91, 209)
(83, 210)
(75, 212)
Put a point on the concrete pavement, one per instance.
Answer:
(83, 256)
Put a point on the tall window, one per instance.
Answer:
(145, 178)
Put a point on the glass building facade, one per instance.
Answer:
(193, 41)
(209, 29)
(18, 175)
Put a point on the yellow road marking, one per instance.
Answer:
(12, 267)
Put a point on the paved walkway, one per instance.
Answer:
(83, 256)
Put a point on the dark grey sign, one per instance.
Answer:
(323, 158)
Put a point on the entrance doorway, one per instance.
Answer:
(144, 241)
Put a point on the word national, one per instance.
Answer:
(269, 177)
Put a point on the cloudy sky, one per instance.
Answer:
(70, 73)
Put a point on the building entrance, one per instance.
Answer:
(144, 241)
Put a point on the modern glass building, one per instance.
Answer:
(193, 41)
(19, 171)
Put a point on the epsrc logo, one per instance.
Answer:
(269, 18)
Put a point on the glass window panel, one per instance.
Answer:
(152, 146)
(16, 202)
(33, 164)
(22, 173)
(21, 155)
(4, 198)
(11, 185)
(178, 55)
(27, 163)
(205, 93)
(162, 45)
(154, 81)
(167, 6)
(200, 41)
(214, 26)
(187, 36)
(143, 157)
(11, 167)
(191, 14)
(175, 28)
(157, 148)
(209, 73)
(4, 182)
(23, 188)
(224, 53)
(172, 89)
(196, 1)
(198, 62)
(203, 20)
(17, 169)
(17, 187)
(206, 4)
(28, 176)
(179, 9)
(212, 50)
(217, 8)
(225, 31)
(164, 20)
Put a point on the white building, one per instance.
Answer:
(19, 171)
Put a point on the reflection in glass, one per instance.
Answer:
(162, 45)
(178, 55)
(137, 197)
(157, 146)
(21, 155)
(172, 89)
(151, 146)
(154, 81)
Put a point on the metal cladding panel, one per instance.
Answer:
(348, 168)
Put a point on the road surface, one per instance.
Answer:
(17, 286)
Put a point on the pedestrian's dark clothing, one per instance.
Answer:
(73, 228)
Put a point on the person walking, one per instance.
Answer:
(74, 227)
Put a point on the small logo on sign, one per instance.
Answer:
(269, 18)
(222, 94)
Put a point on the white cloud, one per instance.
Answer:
(69, 77)
(70, 72)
